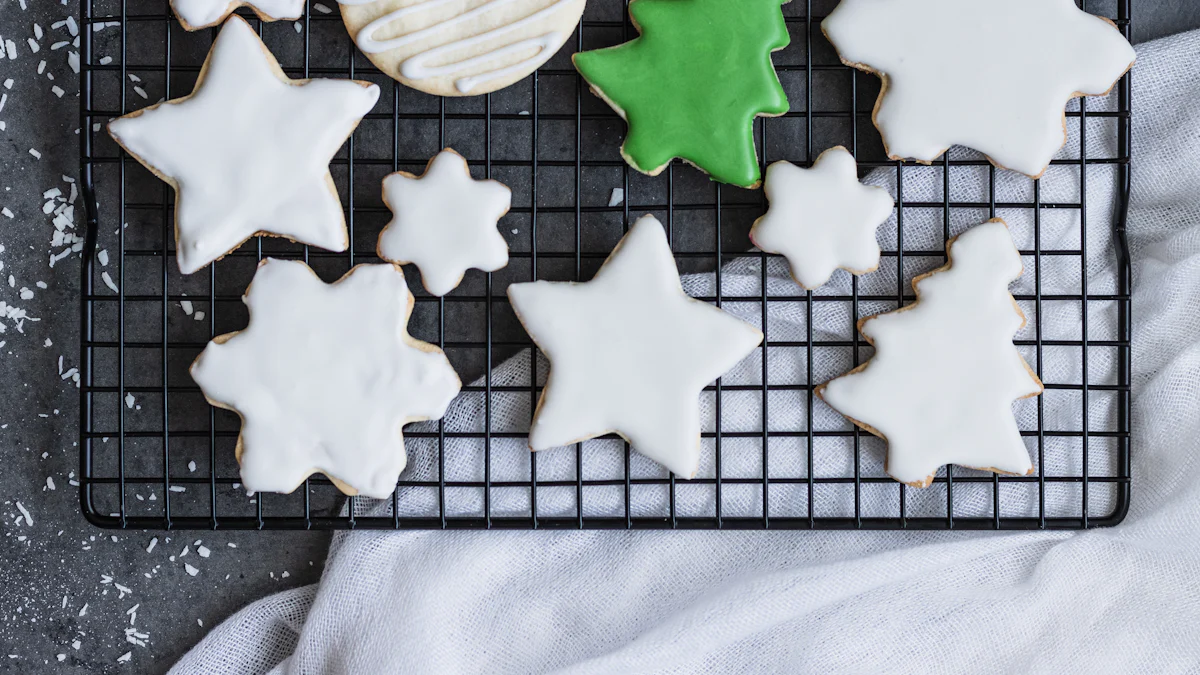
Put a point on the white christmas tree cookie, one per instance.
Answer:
(324, 377)
(444, 222)
(460, 47)
(822, 219)
(945, 373)
(993, 76)
(197, 14)
(248, 150)
(629, 352)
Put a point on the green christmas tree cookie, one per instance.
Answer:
(692, 84)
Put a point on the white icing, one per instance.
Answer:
(630, 352)
(993, 76)
(945, 373)
(822, 219)
(417, 66)
(444, 222)
(196, 14)
(324, 377)
(248, 151)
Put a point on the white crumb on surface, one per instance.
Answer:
(192, 571)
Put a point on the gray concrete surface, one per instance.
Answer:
(54, 566)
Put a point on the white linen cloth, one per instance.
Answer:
(1110, 600)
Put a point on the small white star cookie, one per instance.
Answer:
(822, 218)
(945, 373)
(248, 150)
(197, 14)
(992, 76)
(629, 352)
(324, 377)
(444, 222)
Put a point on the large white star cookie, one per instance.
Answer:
(990, 75)
(945, 373)
(248, 150)
(822, 218)
(458, 48)
(324, 378)
(444, 222)
(629, 352)
(197, 14)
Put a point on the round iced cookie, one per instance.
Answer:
(691, 85)
(460, 47)
(248, 150)
(629, 352)
(992, 76)
(444, 222)
(197, 14)
(945, 373)
(324, 377)
(822, 219)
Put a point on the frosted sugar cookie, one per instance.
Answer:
(460, 47)
(993, 76)
(822, 218)
(324, 377)
(945, 373)
(248, 150)
(691, 85)
(197, 14)
(444, 222)
(629, 352)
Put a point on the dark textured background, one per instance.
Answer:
(50, 569)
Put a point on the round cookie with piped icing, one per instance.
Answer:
(460, 47)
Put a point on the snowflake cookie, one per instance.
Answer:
(945, 373)
(822, 219)
(691, 85)
(197, 14)
(629, 352)
(324, 377)
(993, 76)
(248, 150)
(458, 48)
(444, 222)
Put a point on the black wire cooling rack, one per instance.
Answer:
(153, 454)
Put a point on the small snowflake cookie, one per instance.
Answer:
(457, 48)
(992, 76)
(822, 219)
(691, 85)
(324, 377)
(197, 14)
(444, 222)
(248, 150)
(945, 373)
(629, 352)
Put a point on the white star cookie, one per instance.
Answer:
(822, 219)
(945, 372)
(444, 222)
(993, 76)
(629, 352)
(324, 377)
(248, 150)
(197, 14)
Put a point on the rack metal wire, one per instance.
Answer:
(154, 455)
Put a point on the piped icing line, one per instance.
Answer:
(416, 67)
(444, 222)
(941, 384)
(324, 377)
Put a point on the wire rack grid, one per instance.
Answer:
(155, 455)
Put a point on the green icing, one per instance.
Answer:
(693, 83)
